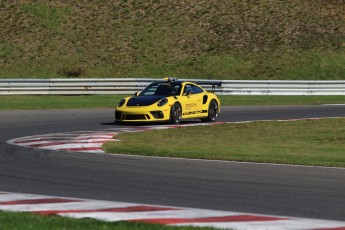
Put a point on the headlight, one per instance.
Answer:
(162, 102)
(121, 103)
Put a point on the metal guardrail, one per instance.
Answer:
(283, 87)
(125, 86)
(71, 86)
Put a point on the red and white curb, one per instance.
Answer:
(155, 214)
(80, 141)
(92, 141)
(85, 141)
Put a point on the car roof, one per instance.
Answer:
(178, 82)
(199, 83)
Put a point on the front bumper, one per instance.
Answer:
(141, 116)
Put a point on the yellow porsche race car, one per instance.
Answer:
(171, 101)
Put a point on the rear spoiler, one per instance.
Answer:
(212, 83)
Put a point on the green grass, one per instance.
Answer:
(271, 39)
(58, 102)
(238, 100)
(310, 142)
(110, 101)
(27, 221)
(46, 15)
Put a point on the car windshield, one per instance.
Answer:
(162, 89)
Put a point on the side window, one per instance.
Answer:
(197, 89)
(188, 89)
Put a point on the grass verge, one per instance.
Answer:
(109, 101)
(306, 142)
(58, 102)
(239, 100)
(13, 221)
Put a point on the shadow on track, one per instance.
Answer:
(117, 123)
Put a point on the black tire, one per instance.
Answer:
(176, 113)
(213, 112)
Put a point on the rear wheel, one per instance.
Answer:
(176, 113)
(213, 112)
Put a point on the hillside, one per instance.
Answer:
(217, 39)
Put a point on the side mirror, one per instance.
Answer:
(136, 94)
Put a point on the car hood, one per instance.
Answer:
(143, 100)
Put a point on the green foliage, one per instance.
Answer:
(5, 51)
(47, 15)
(271, 39)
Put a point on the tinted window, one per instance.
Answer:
(150, 90)
(192, 89)
(188, 89)
(197, 89)
(162, 89)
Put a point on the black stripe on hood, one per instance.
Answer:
(143, 100)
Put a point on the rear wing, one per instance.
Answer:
(211, 83)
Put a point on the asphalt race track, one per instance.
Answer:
(311, 192)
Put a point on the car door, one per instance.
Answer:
(192, 100)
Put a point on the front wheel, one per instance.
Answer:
(176, 113)
(213, 112)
